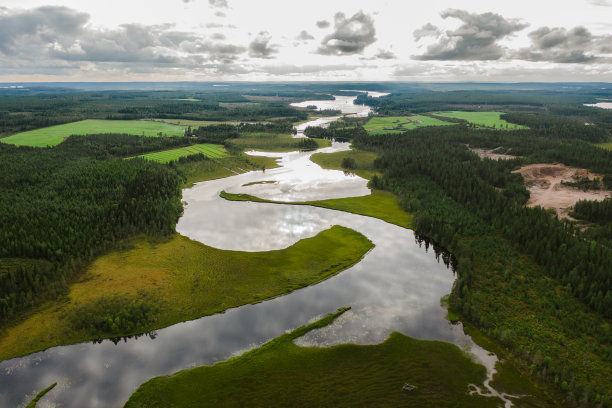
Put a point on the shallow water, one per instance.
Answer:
(397, 286)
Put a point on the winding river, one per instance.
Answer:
(397, 286)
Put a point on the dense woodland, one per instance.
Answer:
(475, 207)
(63, 206)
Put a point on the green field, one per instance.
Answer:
(54, 135)
(482, 119)
(400, 124)
(281, 374)
(183, 280)
(213, 151)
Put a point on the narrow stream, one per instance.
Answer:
(396, 287)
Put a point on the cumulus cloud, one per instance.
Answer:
(260, 47)
(351, 35)
(557, 44)
(476, 39)
(385, 55)
(428, 30)
(40, 26)
(323, 24)
(304, 36)
(51, 36)
(218, 3)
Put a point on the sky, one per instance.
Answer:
(314, 40)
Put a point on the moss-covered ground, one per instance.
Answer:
(281, 374)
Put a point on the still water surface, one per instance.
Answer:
(397, 286)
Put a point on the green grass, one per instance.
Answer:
(482, 119)
(400, 124)
(281, 374)
(203, 170)
(186, 280)
(272, 142)
(213, 151)
(380, 204)
(54, 135)
(41, 394)
(607, 146)
(364, 161)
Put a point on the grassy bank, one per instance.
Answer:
(178, 279)
(273, 142)
(41, 394)
(380, 204)
(282, 374)
(219, 168)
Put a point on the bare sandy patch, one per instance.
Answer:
(491, 153)
(546, 190)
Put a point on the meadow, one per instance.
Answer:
(481, 119)
(54, 135)
(180, 279)
(400, 124)
(273, 142)
(213, 151)
(281, 373)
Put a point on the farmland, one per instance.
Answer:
(398, 124)
(482, 119)
(210, 150)
(54, 135)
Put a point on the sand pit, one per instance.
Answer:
(491, 154)
(544, 184)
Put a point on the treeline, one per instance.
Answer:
(266, 127)
(599, 212)
(62, 206)
(214, 133)
(560, 127)
(345, 133)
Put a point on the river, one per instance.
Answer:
(397, 286)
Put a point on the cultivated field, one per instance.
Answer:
(207, 149)
(482, 119)
(397, 124)
(54, 135)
